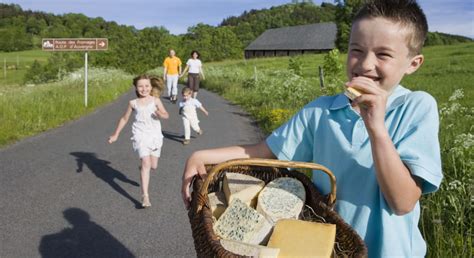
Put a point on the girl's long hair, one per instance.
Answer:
(157, 84)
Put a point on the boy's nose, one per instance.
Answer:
(367, 62)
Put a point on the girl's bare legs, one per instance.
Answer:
(154, 162)
(145, 177)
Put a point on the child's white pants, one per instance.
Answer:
(188, 124)
(172, 84)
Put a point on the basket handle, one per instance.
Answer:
(271, 163)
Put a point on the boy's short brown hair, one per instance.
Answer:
(406, 12)
(186, 91)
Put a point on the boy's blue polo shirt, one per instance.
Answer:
(329, 132)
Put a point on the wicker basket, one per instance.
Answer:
(317, 208)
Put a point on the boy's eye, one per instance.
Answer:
(385, 55)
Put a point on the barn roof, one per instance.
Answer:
(316, 36)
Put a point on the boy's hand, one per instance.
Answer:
(371, 103)
(113, 138)
(193, 167)
(207, 113)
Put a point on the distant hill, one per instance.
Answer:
(250, 24)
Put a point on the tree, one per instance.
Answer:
(345, 12)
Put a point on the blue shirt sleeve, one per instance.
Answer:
(419, 147)
(294, 140)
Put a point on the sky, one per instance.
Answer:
(453, 16)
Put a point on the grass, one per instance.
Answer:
(271, 94)
(17, 64)
(28, 110)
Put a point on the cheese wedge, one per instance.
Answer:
(243, 187)
(217, 203)
(282, 198)
(298, 238)
(352, 93)
(242, 248)
(241, 223)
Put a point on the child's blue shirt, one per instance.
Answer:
(329, 132)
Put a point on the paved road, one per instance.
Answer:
(67, 193)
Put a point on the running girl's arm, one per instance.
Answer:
(195, 163)
(204, 110)
(122, 122)
(160, 109)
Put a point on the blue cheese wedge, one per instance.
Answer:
(243, 187)
(282, 198)
(241, 248)
(217, 203)
(241, 223)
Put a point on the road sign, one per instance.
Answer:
(75, 44)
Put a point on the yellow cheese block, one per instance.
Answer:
(217, 203)
(245, 249)
(298, 238)
(243, 187)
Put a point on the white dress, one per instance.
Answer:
(146, 129)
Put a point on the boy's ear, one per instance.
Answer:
(415, 63)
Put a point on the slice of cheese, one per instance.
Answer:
(217, 203)
(352, 93)
(242, 248)
(298, 238)
(243, 187)
(241, 223)
(282, 198)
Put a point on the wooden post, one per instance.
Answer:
(17, 62)
(5, 67)
(255, 73)
(321, 77)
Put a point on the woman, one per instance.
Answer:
(194, 66)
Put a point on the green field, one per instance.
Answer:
(17, 63)
(271, 93)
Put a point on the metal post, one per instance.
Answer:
(321, 77)
(17, 62)
(85, 78)
(5, 67)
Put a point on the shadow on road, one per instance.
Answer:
(174, 136)
(84, 239)
(102, 170)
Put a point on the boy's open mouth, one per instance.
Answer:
(373, 78)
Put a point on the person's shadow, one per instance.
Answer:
(102, 170)
(84, 239)
(174, 136)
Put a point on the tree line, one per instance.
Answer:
(135, 50)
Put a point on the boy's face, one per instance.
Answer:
(378, 50)
(186, 96)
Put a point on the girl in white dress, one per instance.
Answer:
(146, 129)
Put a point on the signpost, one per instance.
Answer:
(77, 44)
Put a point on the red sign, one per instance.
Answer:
(75, 44)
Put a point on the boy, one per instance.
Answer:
(382, 147)
(187, 108)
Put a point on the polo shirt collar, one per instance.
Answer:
(396, 99)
